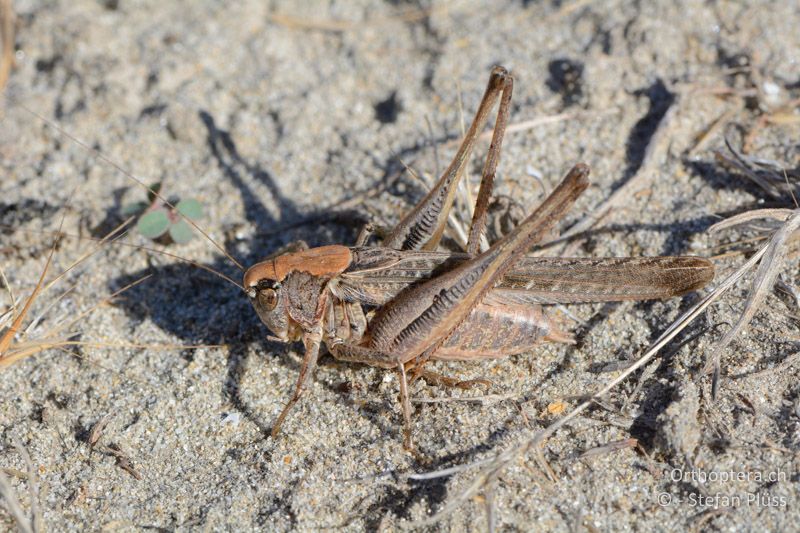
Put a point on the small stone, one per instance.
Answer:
(232, 419)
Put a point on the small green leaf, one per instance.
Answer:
(153, 224)
(152, 194)
(190, 208)
(133, 209)
(181, 232)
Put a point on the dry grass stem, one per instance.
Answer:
(9, 334)
(24, 523)
(779, 215)
(15, 344)
(11, 351)
(337, 26)
(778, 225)
(533, 123)
(29, 524)
(7, 22)
(703, 138)
(769, 175)
(609, 448)
(485, 399)
(774, 253)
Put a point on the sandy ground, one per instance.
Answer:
(274, 114)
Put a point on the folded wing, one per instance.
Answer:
(378, 275)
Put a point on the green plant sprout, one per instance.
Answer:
(158, 219)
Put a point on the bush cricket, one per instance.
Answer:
(403, 303)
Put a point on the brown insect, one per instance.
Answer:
(403, 303)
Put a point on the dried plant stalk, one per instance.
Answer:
(25, 523)
(7, 21)
(774, 253)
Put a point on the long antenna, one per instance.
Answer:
(116, 242)
(130, 176)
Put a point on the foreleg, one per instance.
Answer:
(311, 341)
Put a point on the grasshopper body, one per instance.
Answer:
(403, 303)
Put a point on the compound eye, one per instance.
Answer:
(269, 297)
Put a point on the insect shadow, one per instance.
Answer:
(200, 308)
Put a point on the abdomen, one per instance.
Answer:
(498, 329)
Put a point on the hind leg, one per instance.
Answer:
(435, 378)
(422, 228)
